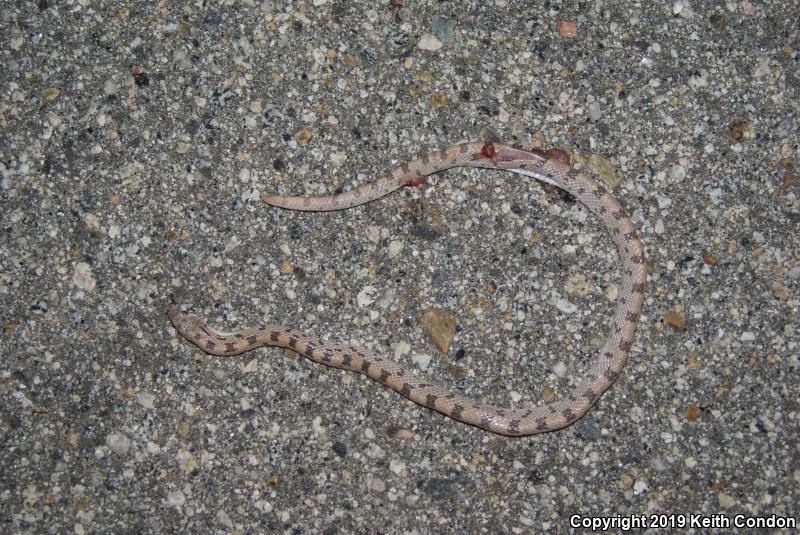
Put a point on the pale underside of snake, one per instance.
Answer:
(551, 167)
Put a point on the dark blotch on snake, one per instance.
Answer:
(485, 422)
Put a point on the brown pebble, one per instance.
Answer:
(709, 258)
(567, 28)
(184, 427)
(788, 180)
(440, 326)
(548, 394)
(779, 290)
(303, 136)
(438, 100)
(737, 127)
(674, 320)
(50, 94)
(692, 413)
(606, 171)
(718, 21)
(403, 434)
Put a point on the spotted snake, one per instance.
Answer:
(550, 167)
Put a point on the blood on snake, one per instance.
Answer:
(551, 167)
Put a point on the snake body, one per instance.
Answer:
(550, 167)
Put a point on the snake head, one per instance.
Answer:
(185, 323)
(174, 314)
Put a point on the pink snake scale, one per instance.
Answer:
(551, 167)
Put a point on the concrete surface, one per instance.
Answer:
(135, 139)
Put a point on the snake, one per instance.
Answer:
(549, 167)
